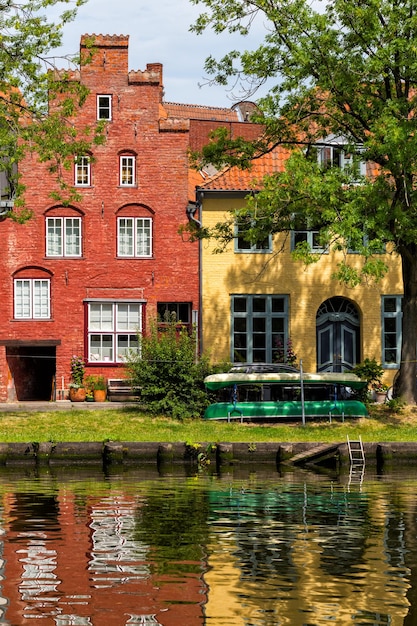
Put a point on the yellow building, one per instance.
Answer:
(257, 299)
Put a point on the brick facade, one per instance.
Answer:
(35, 354)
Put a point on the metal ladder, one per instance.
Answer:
(356, 453)
(357, 461)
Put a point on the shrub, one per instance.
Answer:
(371, 371)
(169, 373)
(95, 382)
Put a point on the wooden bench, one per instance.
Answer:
(120, 389)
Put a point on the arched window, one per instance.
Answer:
(32, 294)
(63, 233)
(127, 169)
(82, 170)
(134, 232)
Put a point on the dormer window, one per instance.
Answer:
(334, 152)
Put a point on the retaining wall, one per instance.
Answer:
(383, 455)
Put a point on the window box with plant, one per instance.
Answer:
(97, 386)
(77, 391)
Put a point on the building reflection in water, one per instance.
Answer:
(247, 548)
(76, 560)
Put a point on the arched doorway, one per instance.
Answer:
(338, 335)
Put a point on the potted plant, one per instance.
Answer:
(97, 385)
(77, 391)
(380, 390)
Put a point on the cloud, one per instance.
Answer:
(159, 32)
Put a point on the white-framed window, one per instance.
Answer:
(134, 237)
(127, 171)
(259, 327)
(82, 174)
(63, 236)
(104, 111)
(391, 311)
(242, 245)
(336, 154)
(32, 298)
(113, 329)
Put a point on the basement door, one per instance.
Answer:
(338, 335)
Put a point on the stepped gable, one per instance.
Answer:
(235, 179)
(105, 41)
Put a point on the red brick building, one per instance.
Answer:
(83, 279)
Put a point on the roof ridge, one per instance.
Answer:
(198, 106)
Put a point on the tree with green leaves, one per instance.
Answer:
(36, 102)
(342, 74)
(168, 371)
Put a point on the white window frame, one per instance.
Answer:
(134, 237)
(82, 171)
(113, 329)
(127, 170)
(32, 298)
(102, 107)
(60, 233)
(334, 154)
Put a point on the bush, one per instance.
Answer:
(371, 371)
(95, 382)
(168, 373)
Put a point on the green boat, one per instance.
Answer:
(274, 394)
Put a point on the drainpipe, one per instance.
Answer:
(192, 209)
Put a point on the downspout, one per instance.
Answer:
(192, 209)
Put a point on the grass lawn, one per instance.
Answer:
(133, 425)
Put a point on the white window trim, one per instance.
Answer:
(131, 166)
(135, 242)
(109, 99)
(64, 244)
(82, 163)
(346, 158)
(33, 300)
(113, 332)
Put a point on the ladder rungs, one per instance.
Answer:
(356, 452)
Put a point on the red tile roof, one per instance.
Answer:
(197, 112)
(235, 179)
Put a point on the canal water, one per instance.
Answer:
(245, 548)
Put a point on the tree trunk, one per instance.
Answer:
(406, 381)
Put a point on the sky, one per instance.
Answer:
(159, 33)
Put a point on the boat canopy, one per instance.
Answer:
(221, 381)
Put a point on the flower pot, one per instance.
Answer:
(77, 394)
(99, 395)
(380, 396)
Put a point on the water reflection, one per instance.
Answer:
(242, 549)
